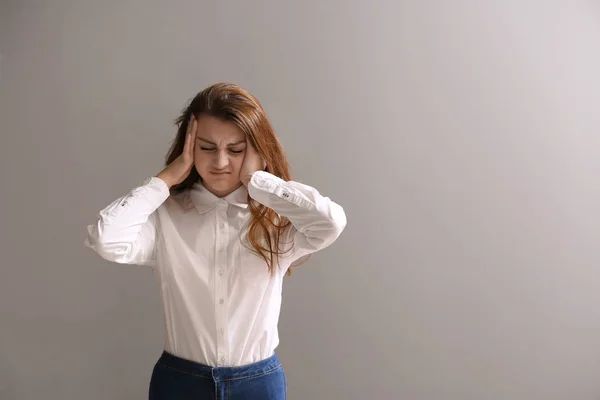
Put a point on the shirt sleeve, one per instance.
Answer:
(125, 231)
(316, 220)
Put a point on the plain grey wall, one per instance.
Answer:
(461, 138)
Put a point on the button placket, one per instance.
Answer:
(222, 236)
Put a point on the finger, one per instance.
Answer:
(250, 148)
(190, 123)
(252, 152)
(187, 145)
(192, 138)
(186, 142)
(187, 134)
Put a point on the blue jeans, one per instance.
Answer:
(175, 378)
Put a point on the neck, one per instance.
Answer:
(223, 193)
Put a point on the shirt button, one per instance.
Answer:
(222, 225)
(222, 360)
(221, 301)
(220, 272)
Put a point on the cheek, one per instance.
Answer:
(201, 163)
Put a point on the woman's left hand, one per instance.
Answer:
(252, 163)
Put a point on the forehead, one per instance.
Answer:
(219, 131)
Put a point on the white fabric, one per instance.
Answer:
(221, 305)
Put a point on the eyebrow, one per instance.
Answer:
(214, 144)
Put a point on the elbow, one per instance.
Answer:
(120, 253)
(327, 230)
(93, 238)
(114, 252)
(338, 222)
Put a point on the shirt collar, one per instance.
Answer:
(204, 200)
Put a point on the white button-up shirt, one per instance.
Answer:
(221, 305)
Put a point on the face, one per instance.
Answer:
(219, 154)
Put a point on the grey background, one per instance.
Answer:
(461, 138)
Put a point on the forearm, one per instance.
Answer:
(123, 231)
(317, 218)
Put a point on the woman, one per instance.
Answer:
(221, 224)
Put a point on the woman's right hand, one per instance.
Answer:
(180, 168)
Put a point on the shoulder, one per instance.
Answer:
(178, 202)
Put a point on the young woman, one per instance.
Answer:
(220, 225)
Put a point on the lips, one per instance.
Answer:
(220, 173)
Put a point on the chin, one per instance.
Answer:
(222, 185)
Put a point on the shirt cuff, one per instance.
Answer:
(263, 182)
(145, 198)
(157, 182)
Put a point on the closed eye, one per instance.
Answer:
(213, 149)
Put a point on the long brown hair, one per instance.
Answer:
(230, 102)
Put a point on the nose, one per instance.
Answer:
(221, 160)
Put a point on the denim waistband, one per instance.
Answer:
(220, 373)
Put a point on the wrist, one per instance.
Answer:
(165, 178)
(246, 179)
